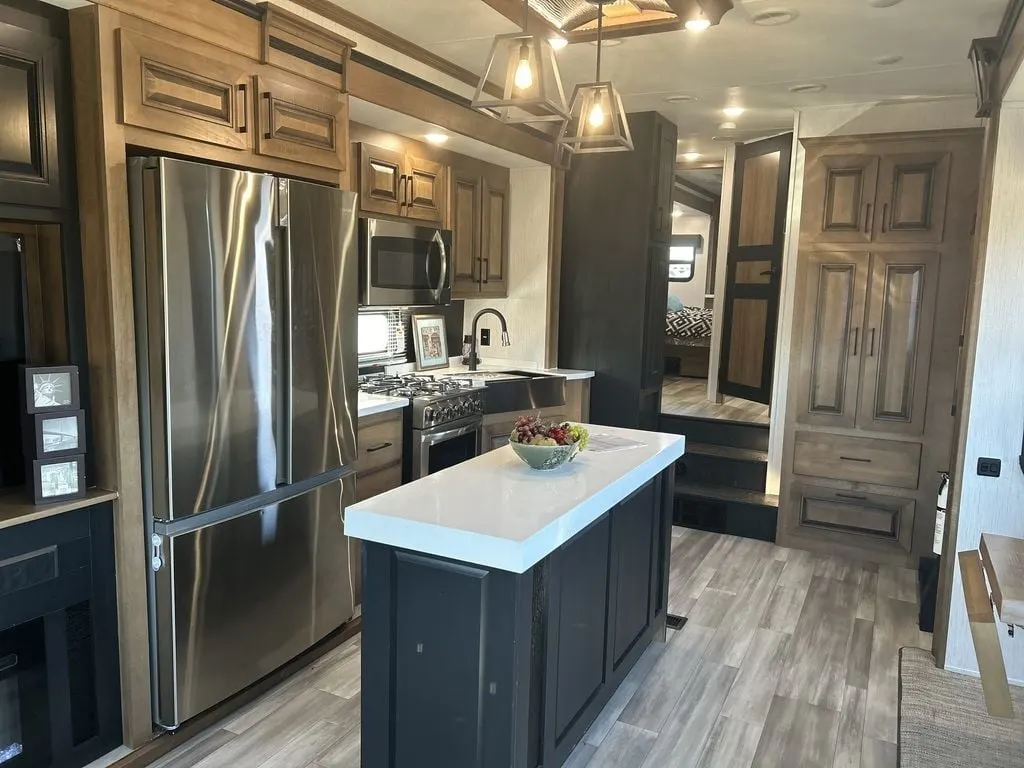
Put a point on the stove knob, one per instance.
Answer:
(428, 415)
(448, 413)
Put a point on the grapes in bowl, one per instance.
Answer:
(547, 446)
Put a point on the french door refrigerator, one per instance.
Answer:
(246, 298)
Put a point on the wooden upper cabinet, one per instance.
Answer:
(426, 189)
(29, 164)
(840, 199)
(912, 196)
(898, 342)
(494, 252)
(301, 121)
(831, 346)
(169, 89)
(466, 208)
(381, 180)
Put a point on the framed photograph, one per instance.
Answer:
(58, 479)
(58, 434)
(428, 335)
(51, 388)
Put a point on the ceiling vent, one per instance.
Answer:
(774, 17)
(808, 88)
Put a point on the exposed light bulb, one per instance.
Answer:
(733, 111)
(558, 42)
(524, 74)
(596, 116)
(699, 24)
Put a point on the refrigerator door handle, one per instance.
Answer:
(439, 288)
(283, 327)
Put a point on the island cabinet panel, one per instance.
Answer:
(633, 583)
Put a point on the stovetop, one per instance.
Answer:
(435, 402)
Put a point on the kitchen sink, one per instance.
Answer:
(523, 391)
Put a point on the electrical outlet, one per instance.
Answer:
(485, 337)
(989, 467)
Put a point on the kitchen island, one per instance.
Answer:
(503, 606)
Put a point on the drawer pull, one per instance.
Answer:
(10, 661)
(854, 458)
(380, 447)
(243, 114)
(851, 496)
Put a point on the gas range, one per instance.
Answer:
(435, 402)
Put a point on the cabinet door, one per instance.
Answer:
(654, 328)
(840, 199)
(912, 195)
(381, 180)
(466, 206)
(665, 172)
(426, 189)
(29, 164)
(301, 121)
(494, 238)
(831, 346)
(898, 342)
(632, 551)
(165, 88)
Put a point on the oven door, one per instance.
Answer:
(404, 264)
(24, 698)
(445, 446)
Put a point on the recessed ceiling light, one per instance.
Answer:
(691, 156)
(808, 88)
(774, 17)
(699, 24)
(609, 42)
(558, 42)
(885, 61)
(681, 99)
(437, 138)
(727, 126)
(884, 3)
(733, 111)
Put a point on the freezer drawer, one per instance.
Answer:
(235, 600)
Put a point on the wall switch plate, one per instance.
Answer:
(485, 337)
(989, 467)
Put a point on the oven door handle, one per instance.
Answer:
(448, 434)
(439, 289)
(10, 661)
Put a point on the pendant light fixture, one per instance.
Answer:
(533, 90)
(597, 121)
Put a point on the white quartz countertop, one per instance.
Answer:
(495, 511)
(373, 404)
(568, 373)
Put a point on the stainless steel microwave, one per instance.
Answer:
(404, 264)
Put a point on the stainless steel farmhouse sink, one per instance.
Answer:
(519, 390)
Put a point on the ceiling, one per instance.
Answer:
(835, 43)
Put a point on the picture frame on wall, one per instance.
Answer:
(430, 341)
(58, 479)
(50, 388)
(58, 434)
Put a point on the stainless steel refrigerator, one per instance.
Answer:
(246, 297)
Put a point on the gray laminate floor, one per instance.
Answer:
(682, 396)
(788, 659)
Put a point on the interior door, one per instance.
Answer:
(756, 241)
(898, 342)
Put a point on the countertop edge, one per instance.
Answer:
(375, 407)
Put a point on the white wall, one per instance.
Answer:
(692, 293)
(994, 414)
(527, 302)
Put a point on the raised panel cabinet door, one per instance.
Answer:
(632, 550)
(831, 345)
(29, 164)
(912, 195)
(898, 342)
(840, 194)
(494, 236)
(167, 89)
(466, 209)
(665, 157)
(381, 180)
(426, 189)
(301, 121)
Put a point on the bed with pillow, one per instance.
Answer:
(687, 340)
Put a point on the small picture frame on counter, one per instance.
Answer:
(49, 388)
(430, 340)
(58, 479)
(57, 434)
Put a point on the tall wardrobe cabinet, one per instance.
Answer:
(883, 265)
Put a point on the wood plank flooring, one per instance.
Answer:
(788, 659)
(681, 396)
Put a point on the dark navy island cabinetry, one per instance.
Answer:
(495, 630)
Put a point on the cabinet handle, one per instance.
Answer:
(867, 218)
(851, 496)
(243, 92)
(401, 191)
(266, 99)
(485, 269)
(872, 352)
(856, 341)
(380, 447)
(10, 661)
(854, 458)
(408, 191)
(885, 218)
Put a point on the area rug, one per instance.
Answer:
(944, 724)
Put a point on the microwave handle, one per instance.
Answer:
(439, 241)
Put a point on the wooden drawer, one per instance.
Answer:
(857, 459)
(370, 484)
(854, 517)
(380, 441)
